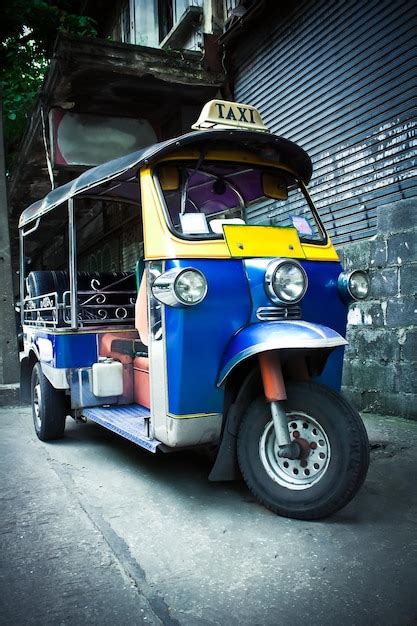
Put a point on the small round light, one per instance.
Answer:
(190, 286)
(359, 284)
(285, 281)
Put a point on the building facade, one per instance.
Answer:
(340, 79)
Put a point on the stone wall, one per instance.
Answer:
(380, 367)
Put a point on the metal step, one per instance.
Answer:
(127, 421)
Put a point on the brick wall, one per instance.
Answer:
(380, 367)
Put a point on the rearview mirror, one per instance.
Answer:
(275, 186)
(169, 177)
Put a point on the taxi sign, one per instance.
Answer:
(225, 114)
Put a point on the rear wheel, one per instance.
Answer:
(48, 407)
(333, 462)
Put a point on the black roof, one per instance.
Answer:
(124, 169)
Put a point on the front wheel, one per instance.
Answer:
(48, 407)
(334, 459)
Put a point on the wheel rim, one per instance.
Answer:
(301, 473)
(37, 405)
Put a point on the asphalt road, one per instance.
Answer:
(94, 530)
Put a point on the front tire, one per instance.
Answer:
(48, 407)
(335, 460)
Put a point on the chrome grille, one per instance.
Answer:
(273, 313)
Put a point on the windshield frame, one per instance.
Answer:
(198, 238)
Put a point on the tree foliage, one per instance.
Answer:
(28, 29)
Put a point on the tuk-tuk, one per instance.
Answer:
(223, 329)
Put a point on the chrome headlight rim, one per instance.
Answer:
(270, 274)
(164, 287)
(345, 285)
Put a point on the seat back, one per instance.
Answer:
(42, 283)
(45, 291)
(103, 297)
(141, 311)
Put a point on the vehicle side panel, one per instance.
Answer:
(196, 336)
(323, 305)
(61, 350)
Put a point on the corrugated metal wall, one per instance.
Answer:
(339, 78)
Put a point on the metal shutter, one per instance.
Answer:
(340, 79)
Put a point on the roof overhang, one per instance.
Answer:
(107, 78)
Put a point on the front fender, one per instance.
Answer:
(265, 336)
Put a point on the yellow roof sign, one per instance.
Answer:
(224, 114)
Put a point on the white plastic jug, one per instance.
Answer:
(107, 378)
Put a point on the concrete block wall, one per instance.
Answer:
(380, 366)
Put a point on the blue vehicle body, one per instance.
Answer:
(224, 329)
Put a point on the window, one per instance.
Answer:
(201, 197)
(170, 13)
(121, 30)
(166, 17)
(109, 235)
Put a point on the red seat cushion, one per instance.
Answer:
(141, 391)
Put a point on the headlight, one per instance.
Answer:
(180, 287)
(354, 285)
(359, 285)
(285, 281)
(190, 287)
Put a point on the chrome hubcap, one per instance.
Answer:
(300, 473)
(37, 405)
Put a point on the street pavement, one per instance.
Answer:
(94, 530)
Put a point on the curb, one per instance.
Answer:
(9, 394)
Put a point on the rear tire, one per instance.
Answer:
(336, 453)
(48, 407)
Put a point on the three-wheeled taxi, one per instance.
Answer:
(187, 295)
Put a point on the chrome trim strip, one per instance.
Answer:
(157, 357)
(57, 376)
(96, 330)
(191, 416)
(276, 313)
(72, 246)
(192, 432)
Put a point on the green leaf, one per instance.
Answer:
(28, 29)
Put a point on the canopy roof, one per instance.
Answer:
(123, 171)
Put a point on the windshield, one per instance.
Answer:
(201, 197)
